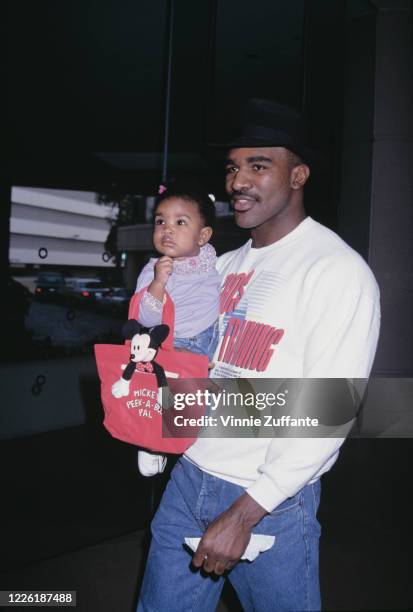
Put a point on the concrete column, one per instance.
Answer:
(356, 154)
(391, 214)
(376, 204)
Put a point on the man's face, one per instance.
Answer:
(259, 183)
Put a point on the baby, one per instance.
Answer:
(183, 219)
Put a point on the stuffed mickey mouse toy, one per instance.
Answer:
(144, 347)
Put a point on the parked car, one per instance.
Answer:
(82, 291)
(115, 300)
(49, 285)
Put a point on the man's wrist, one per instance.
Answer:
(249, 511)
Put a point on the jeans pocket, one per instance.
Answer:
(288, 504)
(316, 492)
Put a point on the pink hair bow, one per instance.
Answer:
(161, 189)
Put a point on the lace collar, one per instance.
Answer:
(200, 264)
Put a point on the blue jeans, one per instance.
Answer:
(284, 578)
(203, 343)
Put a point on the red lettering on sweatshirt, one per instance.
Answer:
(266, 355)
(233, 290)
(248, 344)
(250, 333)
(237, 328)
(260, 341)
(229, 332)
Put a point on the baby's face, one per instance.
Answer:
(179, 230)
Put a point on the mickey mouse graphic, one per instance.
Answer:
(144, 347)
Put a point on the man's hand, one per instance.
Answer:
(227, 537)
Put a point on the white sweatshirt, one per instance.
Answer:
(306, 306)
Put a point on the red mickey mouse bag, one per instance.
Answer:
(129, 391)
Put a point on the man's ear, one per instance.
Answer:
(131, 328)
(299, 176)
(205, 235)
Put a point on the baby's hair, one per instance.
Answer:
(190, 192)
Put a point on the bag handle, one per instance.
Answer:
(168, 314)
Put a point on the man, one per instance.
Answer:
(296, 302)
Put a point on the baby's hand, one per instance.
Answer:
(163, 269)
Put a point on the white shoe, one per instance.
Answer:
(150, 464)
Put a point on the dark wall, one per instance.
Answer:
(86, 78)
(358, 129)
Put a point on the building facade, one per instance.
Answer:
(51, 227)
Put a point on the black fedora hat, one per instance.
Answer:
(269, 124)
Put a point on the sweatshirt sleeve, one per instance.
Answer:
(341, 329)
(150, 309)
